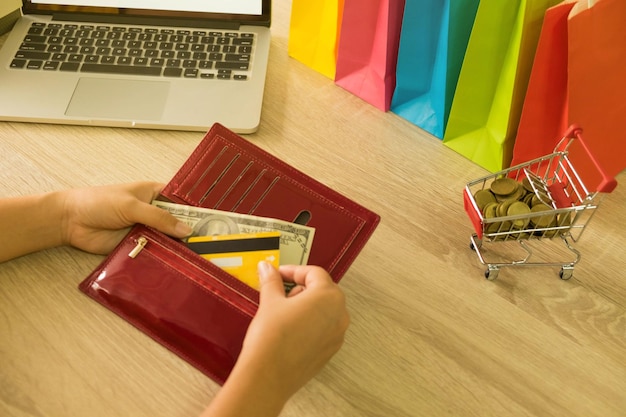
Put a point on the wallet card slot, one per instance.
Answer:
(232, 186)
(260, 199)
(231, 181)
(241, 198)
(205, 190)
(215, 184)
(191, 186)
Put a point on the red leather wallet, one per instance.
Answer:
(185, 302)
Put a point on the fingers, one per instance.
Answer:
(161, 220)
(142, 211)
(306, 275)
(271, 282)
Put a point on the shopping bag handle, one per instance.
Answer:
(607, 183)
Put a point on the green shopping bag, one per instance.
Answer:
(313, 34)
(492, 83)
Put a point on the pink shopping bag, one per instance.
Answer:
(368, 49)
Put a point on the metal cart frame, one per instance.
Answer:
(555, 183)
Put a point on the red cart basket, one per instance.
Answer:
(551, 197)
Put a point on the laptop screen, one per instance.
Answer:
(249, 11)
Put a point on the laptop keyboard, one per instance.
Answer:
(136, 50)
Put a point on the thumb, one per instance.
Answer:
(162, 221)
(270, 280)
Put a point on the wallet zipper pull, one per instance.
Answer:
(141, 243)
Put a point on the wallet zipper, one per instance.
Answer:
(141, 243)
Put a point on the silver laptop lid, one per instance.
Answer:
(196, 13)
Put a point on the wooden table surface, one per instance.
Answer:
(430, 336)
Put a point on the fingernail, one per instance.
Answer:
(183, 229)
(263, 268)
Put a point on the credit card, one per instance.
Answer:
(239, 254)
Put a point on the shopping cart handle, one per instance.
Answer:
(607, 183)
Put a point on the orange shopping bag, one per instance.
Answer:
(577, 77)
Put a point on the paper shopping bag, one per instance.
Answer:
(577, 77)
(544, 113)
(313, 33)
(368, 49)
(494, 76)
(433, 40)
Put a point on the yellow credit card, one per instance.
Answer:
(239, 254)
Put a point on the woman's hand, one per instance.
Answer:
(96, 219)
(288, 342)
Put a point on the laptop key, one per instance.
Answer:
(243, 41)
(43, 56)
(172, 72)
(237, 57)
(34, 39)
(121, 69)
(69, 66)
(34, 30)
(33, 47)
(51, 65)
(18, 63)
(232, 65)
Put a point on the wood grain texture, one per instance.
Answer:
(429, 335)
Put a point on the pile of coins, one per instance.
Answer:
(508, 197)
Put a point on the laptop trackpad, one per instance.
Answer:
(103, 98)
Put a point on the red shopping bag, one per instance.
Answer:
(577, 78)
(368, 49)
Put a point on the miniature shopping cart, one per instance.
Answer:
(545, 198)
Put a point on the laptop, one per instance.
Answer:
(154, 64)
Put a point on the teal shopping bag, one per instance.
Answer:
(432, 45)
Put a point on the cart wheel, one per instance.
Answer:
(566, 272)
(492, 272)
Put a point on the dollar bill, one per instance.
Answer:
(295, 239)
